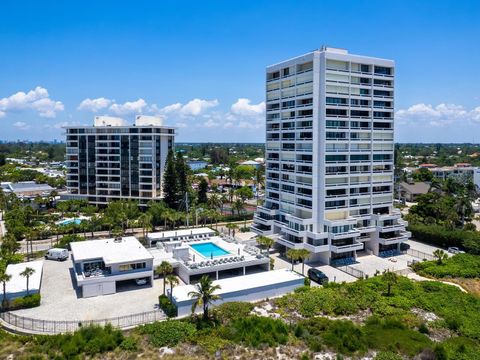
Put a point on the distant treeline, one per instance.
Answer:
(40, 150)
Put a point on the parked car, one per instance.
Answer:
(317, 276)
(57, 254)
(141, 281)
(454, 250)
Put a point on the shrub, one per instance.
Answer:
(460, 265)
(129, 344)
(390, 333)
(230, 311)
(67, 239)
(255, 331)
(167, 306)
(168, 333)
(306, 282)
(440, 236)
(423, 328)
(26, 302)
(341, 336)
(89, 340)
(387, 355)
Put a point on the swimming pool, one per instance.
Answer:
(209, 249)
(70, 221)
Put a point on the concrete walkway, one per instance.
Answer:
(415, 276)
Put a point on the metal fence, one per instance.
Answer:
(359, 274)
(58, 327)
(420, 254)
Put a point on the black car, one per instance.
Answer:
(317, 276)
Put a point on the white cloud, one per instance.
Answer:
(440, 115)
(129, 107)
(21, 125)
(198, 106)
(192, 108)
(243, 108)
(94, 105)
(37, 99)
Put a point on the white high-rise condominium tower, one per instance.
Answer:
(329, 156)
(113, 160)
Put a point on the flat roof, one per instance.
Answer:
(177, 233)
(17, 286)
(111, 251)
(239, 283)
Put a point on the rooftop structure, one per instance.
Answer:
(194, 255)
(329, 156)
(27, 188)
(17, 285)
(101, 264)
(410, 191)
(182, 235)
(113, 160)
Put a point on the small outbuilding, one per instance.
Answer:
(16, 287)
(101, 266)
(251, 288)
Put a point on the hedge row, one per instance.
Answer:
(25, 302)
(167, 306)
(440, 236)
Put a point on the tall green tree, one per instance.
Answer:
(26, 274)
(202, 191)
(204, 295)
(4, 278)
(181, 169)
(389, 278)
(170, 184)
(164, 269)
(292, 254)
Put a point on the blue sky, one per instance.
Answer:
(200, 64)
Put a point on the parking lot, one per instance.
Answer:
(62, 301)
(371, 264)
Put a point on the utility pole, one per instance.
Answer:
(186, 209)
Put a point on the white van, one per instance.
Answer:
(57, 254)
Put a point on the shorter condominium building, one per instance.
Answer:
(113, 160)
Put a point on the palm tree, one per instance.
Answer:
(215, 201)
(303, 254)
(164, 268)
(266, 242)
(145, 221)
(440, 255)
(390, 278)
(172, 280)
(463, 206)
(231, 226)
(204, 295)
(4, 278)
(293, 255)
(27, 273)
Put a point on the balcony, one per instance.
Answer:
(316, 249)
(346, 248)
(260, 230)
(345, 235)
(390, 228)
(290, 244)
(403, 236)
(267, 211)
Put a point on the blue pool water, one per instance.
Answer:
(70, 221)
(209, 249)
